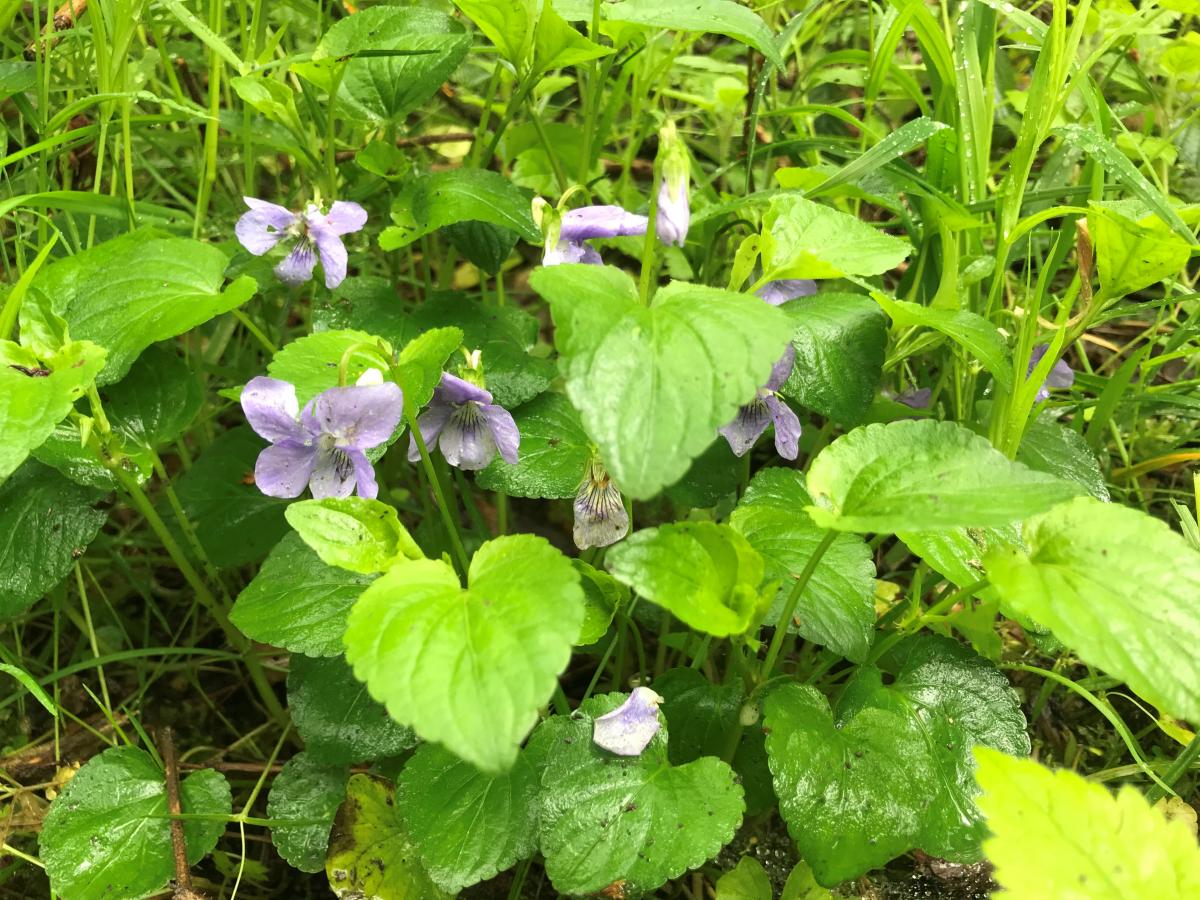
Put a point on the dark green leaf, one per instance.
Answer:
(1061, 451)
(156, 401)
(554, 452)
(458, 195)
(305, 789)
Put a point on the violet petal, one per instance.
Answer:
(332, 252)
(779, 292)
(360, 416)
(333, 474)
(628, 729)
(916, 398)
(600, 515)
(674, 216)
(504, 431)
(345, 216)
(466, 442)
(747, 426)
(787, 427)
(283, 470)
(571, 252)
(430, 424)
(452, 389)
(271, 408)
(364, 475)
(782, 369)
(297, 267)
(600, 222)
(264, 226)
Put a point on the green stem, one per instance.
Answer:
(1182, 763)
(206, 598)
(789, 608)
(649, 246)
(439, 496)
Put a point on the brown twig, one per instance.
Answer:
(419, 140)
(65, 18)
(183, 872)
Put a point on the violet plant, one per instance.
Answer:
(729, 450)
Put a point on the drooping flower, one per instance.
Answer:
(314, 233)
(753, 418)
(585, 223)
(1061, 375)
(779, 292)
(467, 426)
(323, 447)
(628, 729)
(674, 214)
(600, 515)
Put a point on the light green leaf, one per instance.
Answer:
(510, 26)
(600, 811)
(31, 405)
(419, 366)
(469, 668)
(1054, 448)
(557, 45)
(1055, 834)
(46, 522)
(914, 476)
(839, 341)
(554, 452)
(235, 521)
(458, 195)
(602, 596)
(802, 239)
(297, 602)
(974, 334)
(305, 789)
(889, 769)
(36, 690)
(801, 885)
(407, 54)
(1134, 249)
(108, 835)
(336, 717)
(1119, 588)
(746, 881)
(268, 97)
(725, 17)
(837, 608)
(706, 574)
(353, 533)
(311, 362)
(653, 385)
(467, 826)
(156, 401)
(370, 854)
(138, 289)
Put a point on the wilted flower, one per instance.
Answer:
(322, 447)
(600, 516)
(753, 418)
(579, 225)
(466, 425)
(674, 214)
(1060, 376)
(628, 729)
(779, 292)
(315, 234)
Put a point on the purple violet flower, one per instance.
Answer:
(322, 447)
(628, 729)
(753, 418)
(585, 223)
(915, 398)
(600, 515)
(315, 234)
(467, 426)
(1061, 375)
(779, 292)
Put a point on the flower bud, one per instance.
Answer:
(674, 213)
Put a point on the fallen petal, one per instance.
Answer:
(628, 729)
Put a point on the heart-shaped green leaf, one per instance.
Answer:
(911, 476)
(355, 533)
(554, 452)
(890, 768)
(467, 825)
(469, 668)
(706, 574)
(653, 385)
(305, 789)
(802, 239)
(311, 362)
(837, 607)
(638, 819)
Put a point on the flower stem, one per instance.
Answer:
(789, 608)
(1182, 763)
(439, 496)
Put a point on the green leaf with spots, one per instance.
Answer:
(46, 522)
(353, 533)
(336, 717)
(554, 452)
(607, 818)
(297, 602)
(469, 668)
(305, 789)
(138, 289)
(653, 384)
(36, 394)
(370, 852)
(705, 574)
(837, 608)
(1119, 588)
(920, 475)
(467, 825)
(108, 835)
